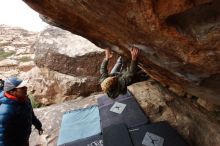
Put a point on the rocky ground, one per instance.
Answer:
(16, 55)
(193, 122)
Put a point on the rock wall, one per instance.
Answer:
(197, 125)
(179, 39)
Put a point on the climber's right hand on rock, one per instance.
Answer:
(108, 54)
(134, 53)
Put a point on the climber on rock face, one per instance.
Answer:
(119, 78)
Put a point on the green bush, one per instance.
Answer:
(4, 55)
(34, 103)
(25, 59)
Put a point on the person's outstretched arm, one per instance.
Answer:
(37, 124)
(128, 75)
(104, 65)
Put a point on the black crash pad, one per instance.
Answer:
(95, 140)
(156, 134)
(116, 135)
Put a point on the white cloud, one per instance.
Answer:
(17, 13)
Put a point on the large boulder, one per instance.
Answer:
(67, 53)
(179, 39)
(68, 66)
(48, 87)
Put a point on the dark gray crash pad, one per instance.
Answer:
(156, 134)
(105, 100)
(132, 114)
(116, 135)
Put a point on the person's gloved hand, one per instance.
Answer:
(40, 130)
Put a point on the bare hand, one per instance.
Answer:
(134, 53)
(108, 53)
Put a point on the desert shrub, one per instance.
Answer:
(4, 54)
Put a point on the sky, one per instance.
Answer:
(17, 13)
